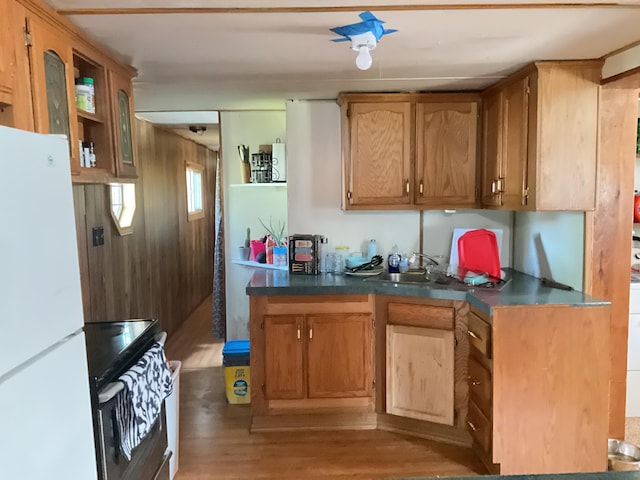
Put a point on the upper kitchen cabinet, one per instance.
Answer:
(540, 128)
(7, 54)
(51, 59)
(376, 146)
(77, 89)
(446, 151)
(122, 108)
(409, 151)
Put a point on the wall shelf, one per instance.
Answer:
(268, 266)
(258, 185)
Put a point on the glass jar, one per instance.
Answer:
(341, 253)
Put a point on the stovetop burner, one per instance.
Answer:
(111, 346)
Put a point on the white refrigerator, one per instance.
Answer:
(46, 428)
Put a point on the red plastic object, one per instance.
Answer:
(636, 209)
(478, 252)
(256, 247)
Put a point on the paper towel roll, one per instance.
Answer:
(279, 162)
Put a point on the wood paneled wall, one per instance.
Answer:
(164, 269)
(608, 229)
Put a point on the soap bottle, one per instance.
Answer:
(372, 249)
(393, 261)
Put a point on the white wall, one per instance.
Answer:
(244, 205)
(551, 245)
(314, 194)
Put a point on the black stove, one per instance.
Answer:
(112, 347)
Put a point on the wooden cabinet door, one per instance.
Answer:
(446, 136)
(420, 373)
(515, 127)
(379, 164)
(283, 369)
(122, 107)
(51, 61)
(491, 148)
(339, 349)
(7, 53)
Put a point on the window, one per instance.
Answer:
(123, 206)
(194, 191)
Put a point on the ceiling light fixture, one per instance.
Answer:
(363, 44)
(197, 129)
(364, 37)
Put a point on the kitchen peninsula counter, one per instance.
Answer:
(520, 289)
(480, 367)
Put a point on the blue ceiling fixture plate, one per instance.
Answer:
(363, 37)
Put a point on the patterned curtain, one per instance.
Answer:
(219, 306)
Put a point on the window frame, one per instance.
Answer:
(127, 204)
(190, 169)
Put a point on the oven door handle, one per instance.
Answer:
(113, 388)
(109, 391)
(161, 338)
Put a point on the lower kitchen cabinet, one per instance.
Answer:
(538, 377)
(420, 373)
(337, 348)
(311, 355)
(526, 386)
(422, 350)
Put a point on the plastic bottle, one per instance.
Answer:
(393, 261)
(372, 249)
(85, 95)
(323, 250)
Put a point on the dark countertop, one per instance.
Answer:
(549, 476)
(520, 289)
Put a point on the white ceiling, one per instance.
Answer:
(253, 54)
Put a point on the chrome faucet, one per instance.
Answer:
(414, 255)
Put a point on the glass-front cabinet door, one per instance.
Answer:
(53, 89)
(122, 105)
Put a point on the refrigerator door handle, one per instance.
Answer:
(109, 391)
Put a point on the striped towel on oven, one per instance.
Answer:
(146, 385)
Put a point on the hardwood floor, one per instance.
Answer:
(215, 442)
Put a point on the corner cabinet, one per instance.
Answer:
(56, 57)
(512, 394)
(539, 129)
(420, 362)
(409, 151)
(311, 355)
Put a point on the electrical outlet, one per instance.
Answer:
(98, 236)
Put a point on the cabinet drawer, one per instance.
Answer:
(429, 316)
(479, 334)
(479, 427)
(480, 386)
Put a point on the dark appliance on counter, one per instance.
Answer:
(112, 348)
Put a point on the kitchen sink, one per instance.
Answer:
(414, 278)
(433, 280)
(420, 278)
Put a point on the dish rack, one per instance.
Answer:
(261, 168)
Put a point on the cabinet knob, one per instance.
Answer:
(299, 332)
(494, 187)
(310, 333)
(407, 186)
(421, 188)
